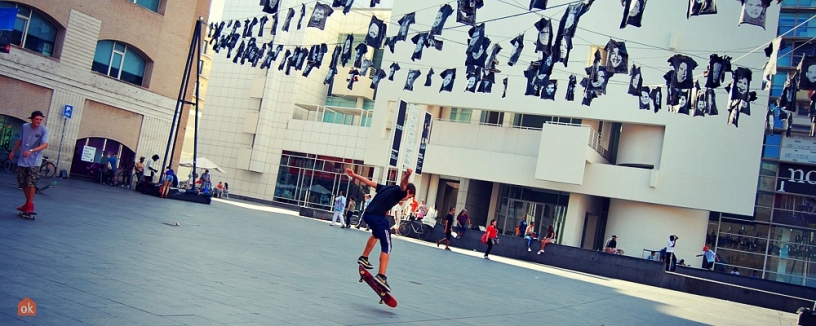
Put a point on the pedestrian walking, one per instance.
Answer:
(489, 237)
(462, 223)
(387, 197)
(33, 140)
(448, 229)
(339, 208)
(350, 208)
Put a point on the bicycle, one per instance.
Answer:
(47, 169)
(134, 178)
(416, 226)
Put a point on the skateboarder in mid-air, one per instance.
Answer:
(33, 141)
(374, 216)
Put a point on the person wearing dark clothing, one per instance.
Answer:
(448, 228)
(386, 198)
(462, 222)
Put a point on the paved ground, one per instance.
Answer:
(99, 255)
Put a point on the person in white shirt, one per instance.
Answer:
(339, 208)
(671, 260)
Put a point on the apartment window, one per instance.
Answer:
(492, 118)
(152, 5)
(460, 115)
(788, 20)
(799, 48)
(32, 30)
(119, 61)
(200, 66)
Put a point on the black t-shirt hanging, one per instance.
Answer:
(378, 76)
(569, 21)
(429, 77)
(270, 6)
(433, 42)
(390, 42)
(413, 75)
(352, 78)
(753, 12)
(657, 98)
(263, 22)
(274, 28)
(742, 82)
(617, 58)
(364, 68)
(546, 67)
(632, 12)
(532, 87)
(561, 49)
(345, 57)
(405, 25)
(284, 60)
(376, 33)
(504, 91)
(545, 36)
(644, 98)
(486, 84)
(345, 4)
(420, 41)
(717, 67)
(538, 4)
(548, 90)
(683, 101)
(492, 61)
(701, 7)
(394, 68)
(448, 76)
(635, 81)
(472, 81)
(699, 106)
(711, 102)
(320, 14)
(598, 80)
(288, 20)
(571, 88)
(807, 73)
(787, 100)
(683, 70)
(466, 13)
(478, 54)
(518, 45)
(361, 49)
(303, 13)
(441, 16)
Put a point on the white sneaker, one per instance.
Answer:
(528, 249)
(539, 252)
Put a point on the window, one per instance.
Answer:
(152, 5)
(32, 30)
(200, 66)
(492, 118)
(789, 20)
(119, 61)
(460, 115)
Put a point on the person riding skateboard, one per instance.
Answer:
(34, 140)
(374, 216)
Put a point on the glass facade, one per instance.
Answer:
(313, 180)
(32, 30)
(544, 207)
(119, 61)
(778, 242)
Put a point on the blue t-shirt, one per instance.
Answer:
(32, 138)
(113, 161)
(386, 198)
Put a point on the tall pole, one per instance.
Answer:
(59, 149)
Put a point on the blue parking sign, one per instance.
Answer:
(67, 111)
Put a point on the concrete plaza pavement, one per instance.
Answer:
(99, 255)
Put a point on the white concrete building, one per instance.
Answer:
(603, 169)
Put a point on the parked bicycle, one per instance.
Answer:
(122, 180)
(47, 169)
(5, 163)
(416, 226)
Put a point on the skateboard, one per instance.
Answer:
(30, 216)
(43, 189)
(385, 297)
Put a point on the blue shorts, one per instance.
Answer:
(380, 229)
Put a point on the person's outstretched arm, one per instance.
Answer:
(361, 178)
(405, 177)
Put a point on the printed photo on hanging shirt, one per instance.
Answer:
(441, 16)
(617, 59)
(807, 73)
(486, 84)
(319, 16)
(303, 14)
(413, 75)
(448, 76)
(571, 88)
(645, 98)
(393, 69)
(429, 77)
(742, 81)
(472, 81)
(632, 12)
(288, 20)
(420, 43)
(635, 81)
(466, 11)
(345, 57)
(657, 98)
(405, 25)
(753, 12)
(683, 70)
(544, 39)
(701, 7)
(378, 76)
(478, 54)
(376, 33)
(548, 90)
(270, 6)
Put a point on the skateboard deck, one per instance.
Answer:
(30, 216)
(385, 297)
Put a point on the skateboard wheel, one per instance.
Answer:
(381, 302)
(382, 294)
(361, 280)
(362, 273)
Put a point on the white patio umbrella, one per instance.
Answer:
(202, 163)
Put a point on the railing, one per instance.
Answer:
(359, 116)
